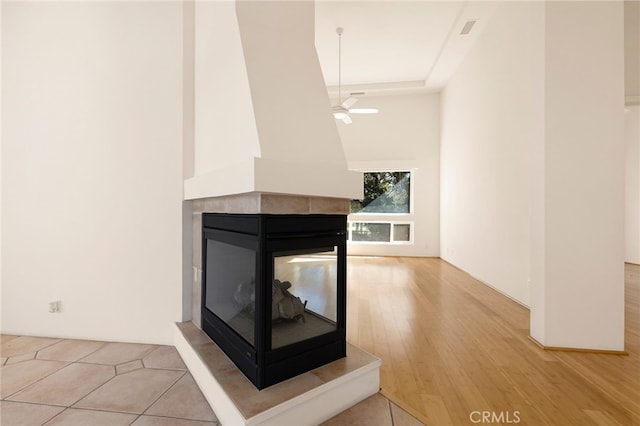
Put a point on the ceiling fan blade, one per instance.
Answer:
(363, 110)
(348, 102)
(347, 120)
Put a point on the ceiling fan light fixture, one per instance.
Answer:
(340, 112)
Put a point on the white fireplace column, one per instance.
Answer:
(264, 137)
(262, 115)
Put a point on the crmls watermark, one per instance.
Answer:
(504, 417)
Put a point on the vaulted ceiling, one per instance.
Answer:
(396, 46)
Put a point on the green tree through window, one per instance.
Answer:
(384, 192)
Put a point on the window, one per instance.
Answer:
(385, 192)
(384, 215)
(379, 232)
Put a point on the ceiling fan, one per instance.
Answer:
(343, 109)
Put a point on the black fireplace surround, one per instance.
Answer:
(274, 291)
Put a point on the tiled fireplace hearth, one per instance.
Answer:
(307, 398)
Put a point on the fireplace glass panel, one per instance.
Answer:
(304, 295)
(231, 286)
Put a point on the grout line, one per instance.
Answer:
(48, 346)
(98, 363)
(105, 343)
(164, 393)
(184, 370)
(49, 420)
(94, 389)
(35, 356)
(20, 362)
(41, 405)
(180, 418)
(92, 352)
(405, 407)
(92, 409)
(34, 403)
(102, 410)
(37, 381)
(150, 351)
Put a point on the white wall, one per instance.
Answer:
(491, 112)
(405, 134)
(632, 129)
(1, 186)
(632, 49)
(1, 134)
(632, 184)
(92, 169)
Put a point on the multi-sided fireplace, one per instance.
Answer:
(274, 291)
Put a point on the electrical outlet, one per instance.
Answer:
(55, 306)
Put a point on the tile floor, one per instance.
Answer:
(78, 382)
(45, 381)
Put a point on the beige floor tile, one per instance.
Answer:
(402, 418)
(3, 360)
(18, 376)
(69, 350)
(132, 392)
(164, 357)
(20, 414)
(129, 366)
(372, 411)
(24, 344)
(76, 417)
(66, 386)
(118, 353)
(166, 421)
(20, 358)
(6, 337)
(183, 400)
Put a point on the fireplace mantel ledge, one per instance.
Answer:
(276, 177)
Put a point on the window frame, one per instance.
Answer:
(391, 241)
(388, 218)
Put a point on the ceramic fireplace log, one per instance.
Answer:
(285, 305)
(245, 295)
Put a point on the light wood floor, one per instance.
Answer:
(451, 345)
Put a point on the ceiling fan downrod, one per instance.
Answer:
(339, 31)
